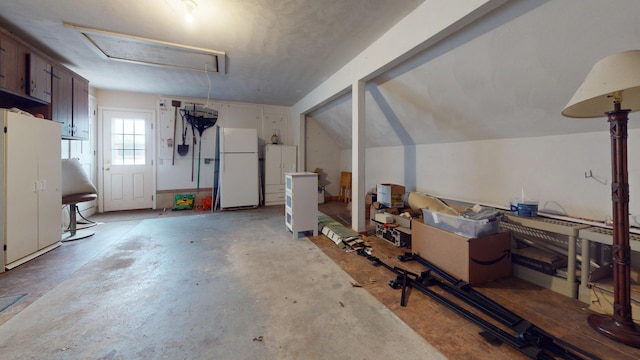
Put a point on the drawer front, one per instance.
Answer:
(279, 188)
(274, 197)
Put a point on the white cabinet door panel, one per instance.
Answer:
(21, 189)
(49, 178)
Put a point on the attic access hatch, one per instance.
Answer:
(145, 51)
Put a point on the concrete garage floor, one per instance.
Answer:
(224, 285)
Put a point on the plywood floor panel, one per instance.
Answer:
(457, 338)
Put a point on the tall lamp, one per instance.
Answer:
(612, 88)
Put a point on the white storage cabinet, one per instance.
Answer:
(278, 160)
(31, 182)
(301, 206)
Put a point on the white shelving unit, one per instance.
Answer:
(602, 236)
(548, 230)
(301, 205)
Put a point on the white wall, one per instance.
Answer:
(551, 169)
(176, 174)
(124, 99)
(434, 120)
(322, 152)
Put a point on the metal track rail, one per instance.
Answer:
(526, 337)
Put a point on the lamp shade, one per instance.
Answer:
(615, 73)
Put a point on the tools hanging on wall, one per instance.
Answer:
(176, 104)
(200, 118)
(183, 149)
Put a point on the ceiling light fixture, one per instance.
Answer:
(190, 6)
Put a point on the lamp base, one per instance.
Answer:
(626, 333)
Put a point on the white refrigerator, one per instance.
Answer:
(239, 179)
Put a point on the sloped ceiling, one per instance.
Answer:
(506, 76)
(277, 50)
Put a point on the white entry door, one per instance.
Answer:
(127, 168)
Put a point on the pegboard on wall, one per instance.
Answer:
(206, 143)
(240, 116)
(166, 136)
(170, 140)
(178, 174)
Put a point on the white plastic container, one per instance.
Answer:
(461, 225)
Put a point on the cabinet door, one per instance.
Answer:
(21, 188)
(20, 80)
(9, 71)
(49, 182)
(39, 78)
(62, 99)
(80, 108)
(289, 157)
(273, 165)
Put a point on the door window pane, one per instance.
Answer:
(128, 142)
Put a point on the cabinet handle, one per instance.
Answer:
(35, 186)
(43, 184)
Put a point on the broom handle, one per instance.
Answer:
(173, 145)
(193, 153)
(199, 150)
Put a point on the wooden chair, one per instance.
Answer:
(345, 186)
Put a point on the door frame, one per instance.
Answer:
(151, 147)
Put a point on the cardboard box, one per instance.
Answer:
(391, 195)
(540, 260)
(384, 218)
(372, 212)
(474, 260)
(377, 208)
(367, 205)
(402, 221)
